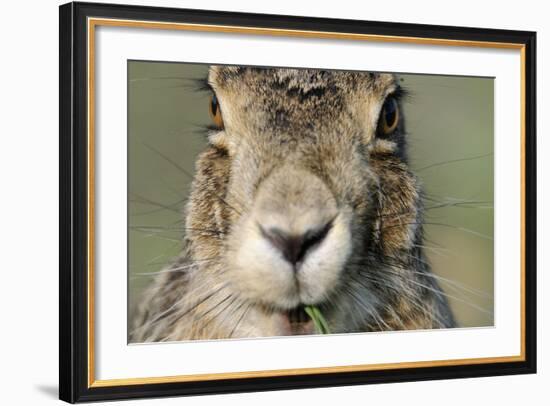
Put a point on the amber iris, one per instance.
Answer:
(216, 112)
(389, 117)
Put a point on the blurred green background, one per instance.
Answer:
(450, 126)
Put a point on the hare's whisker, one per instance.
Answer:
(241, 318)
(459, 288)
(190, 176)
(144, 200)
(453, 161)
(213, 307)
(221, 311)
(441, 292)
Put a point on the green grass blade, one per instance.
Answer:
(320, 323)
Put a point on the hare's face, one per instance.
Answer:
(305, 183)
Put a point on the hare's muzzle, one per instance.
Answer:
(292, 247)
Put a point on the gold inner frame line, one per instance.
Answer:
(94, 22)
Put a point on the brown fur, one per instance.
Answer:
(299, 148)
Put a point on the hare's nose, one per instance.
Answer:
(294, 247)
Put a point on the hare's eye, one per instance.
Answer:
(216, 112)
(389, 117)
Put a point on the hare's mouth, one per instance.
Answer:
(297, 321)
(297, 315)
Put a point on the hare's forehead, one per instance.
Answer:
(305, 83)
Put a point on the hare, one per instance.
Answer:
(304, 197)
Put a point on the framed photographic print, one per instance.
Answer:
(258, 202)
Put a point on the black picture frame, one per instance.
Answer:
(74, 385)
